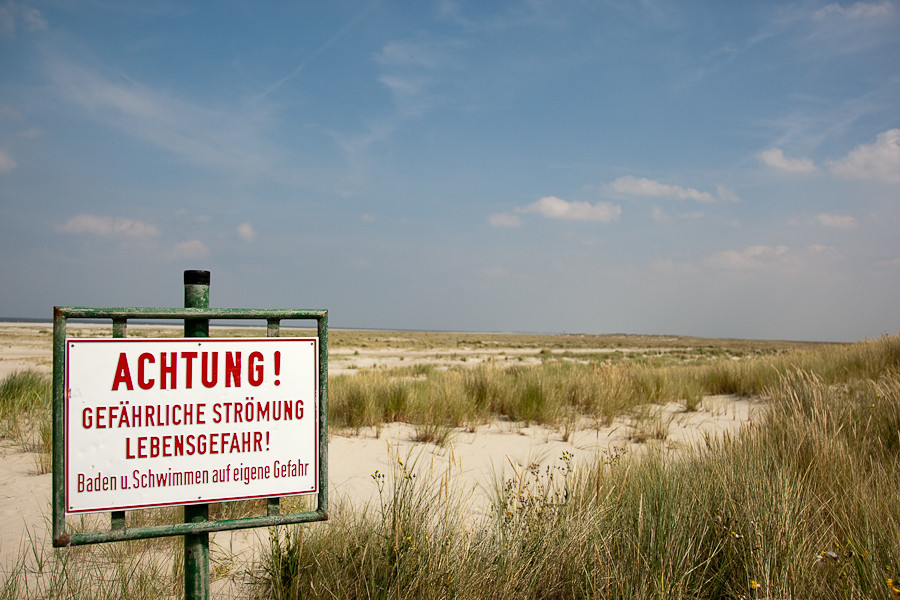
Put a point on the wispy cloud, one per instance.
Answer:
(246, 232)
(661, 216)
(726, 194)
(552, 207)
(220, 137)
(834, 221)
(15, 15)
(761, 257)
(837, 30)
(496, 272)
(429, 54)
(85, 224)
(859, 10)
(8, 111)
(504, 220)
(640, 186)
(775, 158)
(422, 74)
(317, 52)
(192, 249)
(183, 213)
(498, 17)
(879, 161)
(7, 164)
(823, 41)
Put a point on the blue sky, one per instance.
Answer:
(705, 168)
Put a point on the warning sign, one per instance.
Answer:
(153, 422)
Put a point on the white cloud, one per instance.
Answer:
(761, 257)
(846, 29)
(859, 10)
(183, 213)
(190, 250)
(754, 257)
(640, 186)
(834, 221)
(659, 215)
(99, 225)
(878, 161)
(552, 207)
(775, 158)
(726, 194)
(504, 220)
(13, 13)
(7, 164)
(246, 232)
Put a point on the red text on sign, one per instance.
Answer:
(172, 370)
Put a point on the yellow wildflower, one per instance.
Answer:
(895, 591)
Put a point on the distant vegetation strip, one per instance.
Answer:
(563, 388)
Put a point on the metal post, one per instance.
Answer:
(60, 537)
(273, 329)
(117, 517)
(196, 545)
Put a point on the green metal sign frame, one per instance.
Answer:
(196, 325)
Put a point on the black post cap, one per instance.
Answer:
(196, 277)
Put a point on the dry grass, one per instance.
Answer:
(558, 391)
(804, 506)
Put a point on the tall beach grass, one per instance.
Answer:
(25, 414)
(553, 391)
(802, 506)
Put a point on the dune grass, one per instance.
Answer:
(553, 391)
(25, 415)
(804, 506)
(127, 570)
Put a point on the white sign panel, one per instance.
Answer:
(152, 422)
